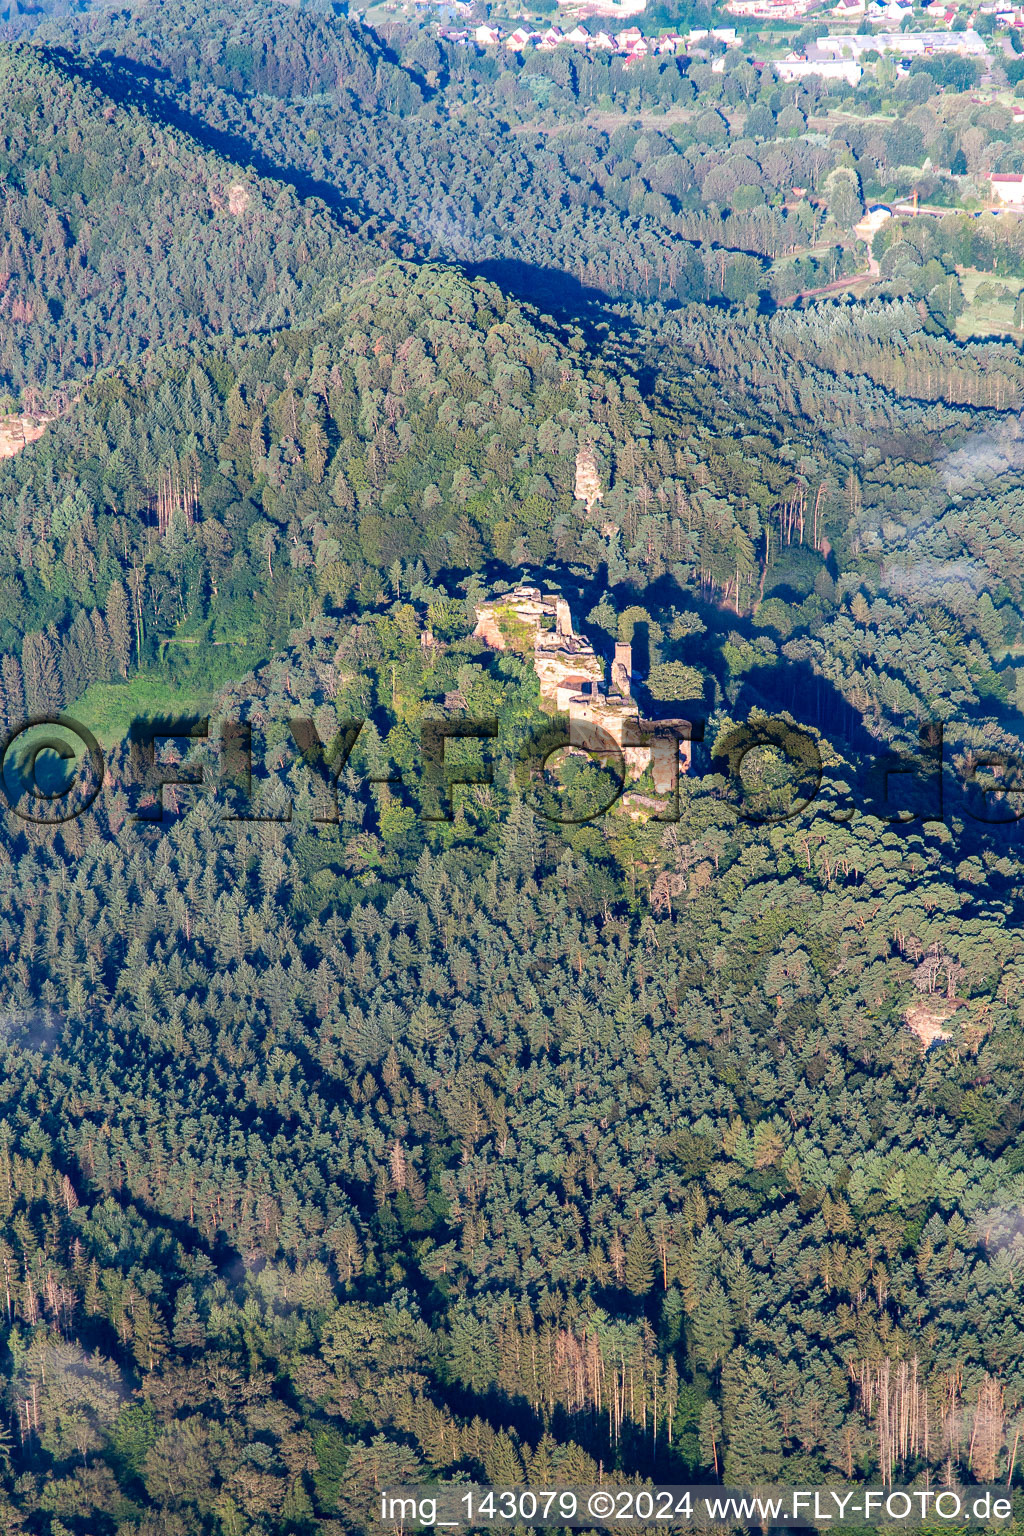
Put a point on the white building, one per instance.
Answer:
(888, 13)
(872, 222)
(796, 68)
(726, 35)
(853, 45)
(1007, 189)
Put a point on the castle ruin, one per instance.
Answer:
(572, 682)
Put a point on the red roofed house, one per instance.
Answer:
(1007, 189)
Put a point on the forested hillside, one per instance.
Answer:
(568, 173)
(622, 1165)
(612, 1163)
(552, 211)
(120, 234)
(430, 420)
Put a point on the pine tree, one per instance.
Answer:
(315, 455)
(709, 1436)
(754, 1450)
(103, 651)
(14, 691)
(150, 1343)
(78, 657)
(503, 1463)
(42, 681)
(257, 446)
(639, 1271)
(189, 1332)
(711, 1328)
(117, 624)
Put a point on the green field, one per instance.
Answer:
(990, 305)
(182, 680)
(108, 709)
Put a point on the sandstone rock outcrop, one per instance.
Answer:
(16, 432)
(588, 483)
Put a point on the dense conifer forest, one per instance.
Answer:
(343, 1145)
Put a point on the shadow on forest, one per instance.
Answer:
(878, 783)
(135, 84)
(148, 87)
(632, 1453)
(547, 287)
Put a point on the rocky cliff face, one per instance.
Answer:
(16, 432)
(588, 484)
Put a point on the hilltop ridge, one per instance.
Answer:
(121, 234)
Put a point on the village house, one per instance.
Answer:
(630, 41)
(794, 67)
(1007, 189)
(772, 10)
(699, 35)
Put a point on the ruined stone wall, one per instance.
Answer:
(566, 664)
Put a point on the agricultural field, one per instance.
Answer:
(993, 306)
